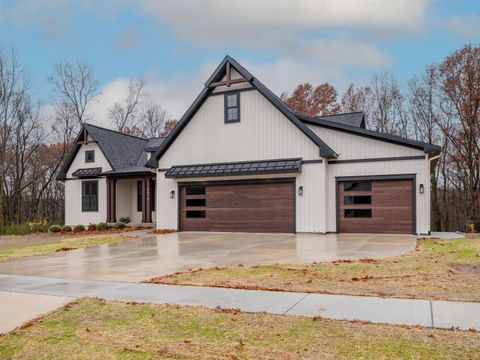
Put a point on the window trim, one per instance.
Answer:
(84, 183)
(226, 107)
(87, 152)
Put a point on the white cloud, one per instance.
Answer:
(280, 26)
(177, 94)
(174, 95)
(467, 25)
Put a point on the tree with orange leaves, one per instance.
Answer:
(310, 101)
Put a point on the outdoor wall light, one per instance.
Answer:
(421, 189)
(300, 190)
(172, 194)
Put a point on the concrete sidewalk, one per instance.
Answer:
(438, 314)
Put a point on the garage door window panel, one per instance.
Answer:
(358, 213)
(357, 200)
(350, 186)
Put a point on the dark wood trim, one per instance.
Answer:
(396, 158)
(225, 83)
(229, 73)
(148, 204)
(111, 200)
(412, 177)
(144, 201)
(232, 90)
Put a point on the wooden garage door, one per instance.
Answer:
(241, 207)
(379, 206)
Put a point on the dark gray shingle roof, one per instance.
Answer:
(356, 119)
(121, 150)
(125, 153)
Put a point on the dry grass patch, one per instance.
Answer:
(96, 329)
(437, 269)
(63, 244)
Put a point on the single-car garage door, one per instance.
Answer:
(377, 206)
(238, 207)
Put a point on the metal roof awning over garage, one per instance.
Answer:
(258, 167)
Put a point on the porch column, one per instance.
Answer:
(146, 203)
(111, 200)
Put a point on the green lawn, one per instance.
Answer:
(438, 269)
(63, 244)
(96, 329)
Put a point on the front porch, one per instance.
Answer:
(132, 197)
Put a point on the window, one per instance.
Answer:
(195, 191)
(357, 200)
(196, 214)
(232, 107)
(358, 213)
(357, 186)
(90, 156)
(139, 195)
(90, 196)
(196, 202)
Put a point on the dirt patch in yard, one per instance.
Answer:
(98, 329)
(437, 269)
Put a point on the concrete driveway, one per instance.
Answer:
(153, 255)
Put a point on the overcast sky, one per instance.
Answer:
(176, 44)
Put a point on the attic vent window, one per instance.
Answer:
(232, 107)
(90, 156)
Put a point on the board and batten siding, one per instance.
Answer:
(262, 133)
(73, 189)
(418, 167)
(73, 204)
(349, 146)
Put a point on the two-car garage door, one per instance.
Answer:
(363, 206)
(238, 207)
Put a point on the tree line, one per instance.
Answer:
(440, 105)
(35, 137)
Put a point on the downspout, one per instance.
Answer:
(429, 193)
(325, 194)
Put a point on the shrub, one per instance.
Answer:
(79, 228)
(54, 229)
(102, 226)
(66, 228)
(15, 229)
(38, 226)
(125, 220)
(92, 227)
(120, 225)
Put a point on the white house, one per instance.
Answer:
(240, 160)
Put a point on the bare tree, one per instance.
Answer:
(124, 115)
(152, 120)
(357, 99)
(387, 112)
(459, 81)
(74, 86)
